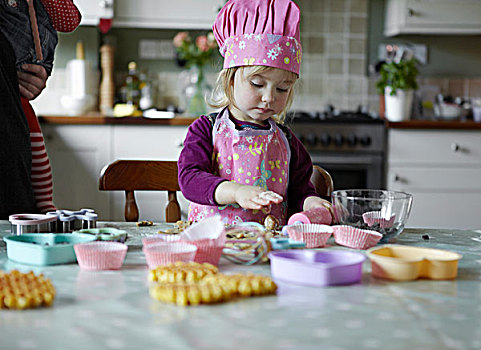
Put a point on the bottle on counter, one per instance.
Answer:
(132, 84)
(146, 98)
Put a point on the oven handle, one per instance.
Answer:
(340, 160)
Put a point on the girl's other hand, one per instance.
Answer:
(252, 197)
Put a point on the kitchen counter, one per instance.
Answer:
(435, 124)
(112, 309)
(99, 119)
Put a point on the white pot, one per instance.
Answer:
(398, 107)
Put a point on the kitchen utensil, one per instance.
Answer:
(168, 252)
(355, 238)
(350, 205)
(69, 221)
(317, 268)
(100, 255)
(404, 263)
(44, 248)
(32, 223)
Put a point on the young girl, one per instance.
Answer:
(244, 164)
(31, 27)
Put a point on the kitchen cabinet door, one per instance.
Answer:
(432, 17)
(181, 14)
(77, 155)
(443, 179)
(93, 10)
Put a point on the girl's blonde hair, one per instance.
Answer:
(223, 93)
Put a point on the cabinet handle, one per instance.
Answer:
(455, 147)
(397, 178)
(411, 12)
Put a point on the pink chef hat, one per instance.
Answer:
(259, 32)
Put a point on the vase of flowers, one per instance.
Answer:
(195, 54)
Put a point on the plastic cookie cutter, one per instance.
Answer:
(105, 234)
(69, 221)
(279, 243)
(33, 223)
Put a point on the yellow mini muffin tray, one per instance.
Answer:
(403, 263)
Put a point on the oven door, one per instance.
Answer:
(350, 171)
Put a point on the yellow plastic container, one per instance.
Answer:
(403, 263)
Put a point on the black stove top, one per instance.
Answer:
(331, 115)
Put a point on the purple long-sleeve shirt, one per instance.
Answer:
(196, 174)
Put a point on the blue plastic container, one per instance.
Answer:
(44, 248)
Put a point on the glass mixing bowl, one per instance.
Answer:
(380, 210)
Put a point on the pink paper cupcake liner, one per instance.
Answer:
(100, 255)
(375, 217)
(165, 253)
(355, 238)
(314, 235)
(207, 251)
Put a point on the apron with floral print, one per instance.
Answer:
(249, 157)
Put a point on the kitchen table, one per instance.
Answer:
(113, 310)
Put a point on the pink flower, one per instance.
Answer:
(202, 43)
(180, 37)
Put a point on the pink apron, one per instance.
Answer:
(251, 157)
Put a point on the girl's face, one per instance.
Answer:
(260, 96)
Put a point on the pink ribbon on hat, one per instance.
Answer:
(259, 32)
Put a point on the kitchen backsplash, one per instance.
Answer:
(334, 35)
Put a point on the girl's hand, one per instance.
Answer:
(248, 197)
(317, 202)
(252, 197)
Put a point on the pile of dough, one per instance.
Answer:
(192, 284)
(25, 290)
(181, 272)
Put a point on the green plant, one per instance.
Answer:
(400, 76)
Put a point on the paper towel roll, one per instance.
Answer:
(78, 75)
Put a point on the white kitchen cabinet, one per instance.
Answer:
(152, 143)
(78, 153)
(432, 17)
(442, 170)
(181, 14)
(93, 10)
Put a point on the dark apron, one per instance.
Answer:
(16, 193)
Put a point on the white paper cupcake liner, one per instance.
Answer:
(159, 238)
(314, 235)
(211, 229)
(375, 217)
(355, 238)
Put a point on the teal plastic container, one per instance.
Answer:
(44, 248)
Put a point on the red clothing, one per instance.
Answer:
(64, 15)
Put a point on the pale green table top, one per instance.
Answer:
(112, 309)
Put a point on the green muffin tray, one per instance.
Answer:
(44, 248)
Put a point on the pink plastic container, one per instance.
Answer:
(314, 216)
(165, 253)
(100, 255)
(314, 235)
(317, 268)
(355, 238)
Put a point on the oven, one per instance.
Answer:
(349, 145)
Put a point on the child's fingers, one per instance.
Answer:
(271, 196)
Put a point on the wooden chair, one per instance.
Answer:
(322, 182)
(156, 175)
(142, 175)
